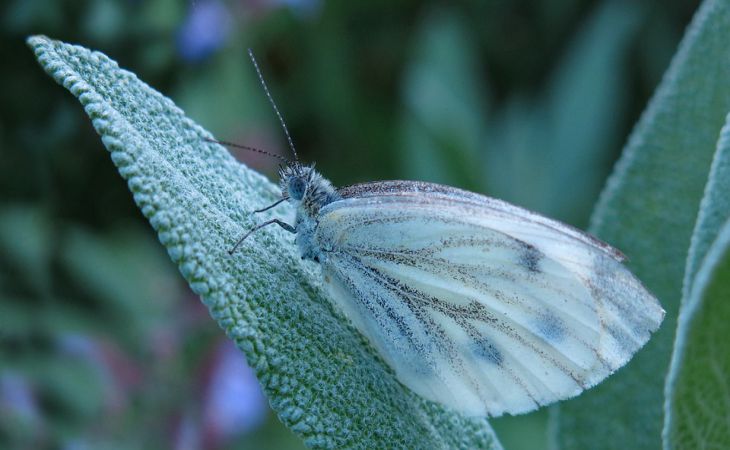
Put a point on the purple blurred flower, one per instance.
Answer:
(204, 31)
(233, 402)
(18, 399)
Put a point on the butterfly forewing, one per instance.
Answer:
(478, 304)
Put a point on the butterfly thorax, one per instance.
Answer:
(308, 192)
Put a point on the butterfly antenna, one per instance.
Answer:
(271, 100)
(246, 147)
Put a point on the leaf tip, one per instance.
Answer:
(37, 40)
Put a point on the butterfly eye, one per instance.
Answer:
(297, 188)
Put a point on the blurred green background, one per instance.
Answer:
(103, 346)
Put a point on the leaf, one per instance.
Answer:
(714, 209)
(321, 377)
(698, 388)
(697, 408)
(648, 210)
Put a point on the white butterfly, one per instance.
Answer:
(476, 304)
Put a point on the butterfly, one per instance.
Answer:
(476, 304)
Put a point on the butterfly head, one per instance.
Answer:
(295, 180)
(302, 185)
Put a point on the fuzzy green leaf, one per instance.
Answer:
(648, 210)
(698, 388)
(321, 377)
(697, 408)
(714, 209)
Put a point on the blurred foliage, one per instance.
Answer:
(101, 346)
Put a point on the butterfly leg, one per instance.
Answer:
(282, 224)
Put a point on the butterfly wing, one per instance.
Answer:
(478, 304)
